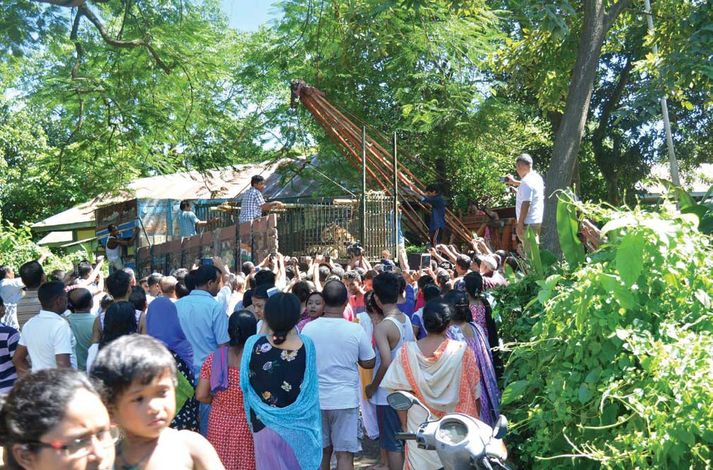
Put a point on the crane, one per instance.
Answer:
(348, 136)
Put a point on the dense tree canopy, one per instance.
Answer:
(96, 93)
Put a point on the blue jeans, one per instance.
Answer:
(203, 414)
(203, 410)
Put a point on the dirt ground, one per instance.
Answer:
(369, 455)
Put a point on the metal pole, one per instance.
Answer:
(664, 107)
(396, 199)
(363, 187)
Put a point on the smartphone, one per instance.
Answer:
(503, 179)
(425, 261)
(206, 261)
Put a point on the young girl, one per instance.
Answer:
(219, 386)
(314, 309)
(138, 375)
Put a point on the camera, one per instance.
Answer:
(503, 179)
(355, 250)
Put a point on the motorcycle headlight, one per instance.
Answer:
(452, 431)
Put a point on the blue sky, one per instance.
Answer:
(248, 15)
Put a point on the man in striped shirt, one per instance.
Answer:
(9, 337)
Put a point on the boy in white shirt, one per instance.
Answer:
(47, 337)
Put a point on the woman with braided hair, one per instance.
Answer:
(278, 376)
(464, 329)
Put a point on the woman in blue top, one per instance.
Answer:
(278, 376)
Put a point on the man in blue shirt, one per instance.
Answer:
(204, 322)
(437, 224)
(187, 220)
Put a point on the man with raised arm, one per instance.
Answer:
(530, 200)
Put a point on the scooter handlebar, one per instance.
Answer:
(405, 436)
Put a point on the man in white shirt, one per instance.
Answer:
(46, 337)
(341, 346)
(11, 293)
(530, 199)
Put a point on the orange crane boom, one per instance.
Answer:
(347, 135)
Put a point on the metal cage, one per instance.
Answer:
(329, 226)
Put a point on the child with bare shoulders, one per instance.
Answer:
(138, 375)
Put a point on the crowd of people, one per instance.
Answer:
(283, 365)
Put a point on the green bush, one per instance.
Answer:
(611, 362)
(17, 247)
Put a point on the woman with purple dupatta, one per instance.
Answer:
(464, 329)
(219, 385)
(162, 323)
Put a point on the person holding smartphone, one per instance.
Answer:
(530, 199)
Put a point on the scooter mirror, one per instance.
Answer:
(400, 401)
(501, 427)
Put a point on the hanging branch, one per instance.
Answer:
(123, 44)
(127, 8)
(77, 45)
(614, 12)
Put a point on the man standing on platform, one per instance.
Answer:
(437, 224)
(187, 220)
(253, 202)
(114, 246)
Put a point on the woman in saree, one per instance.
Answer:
(463, 328)
(162, 323)
(278, 376)
(482, 315)
(441, 372)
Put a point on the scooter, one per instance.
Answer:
(461, 441)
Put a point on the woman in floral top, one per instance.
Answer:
(279, 382)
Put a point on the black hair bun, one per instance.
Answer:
(279, 337)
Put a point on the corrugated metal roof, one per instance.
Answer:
(696, 180)
(223, 183)
(57, 237)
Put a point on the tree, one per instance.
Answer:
(543, 56)
(421, 72)
(596, 23)
(108, 112)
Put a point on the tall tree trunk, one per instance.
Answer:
(612, 181)
(568, 139)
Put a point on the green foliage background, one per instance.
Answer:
(610, 360)
(467, 86)
(17, 247)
